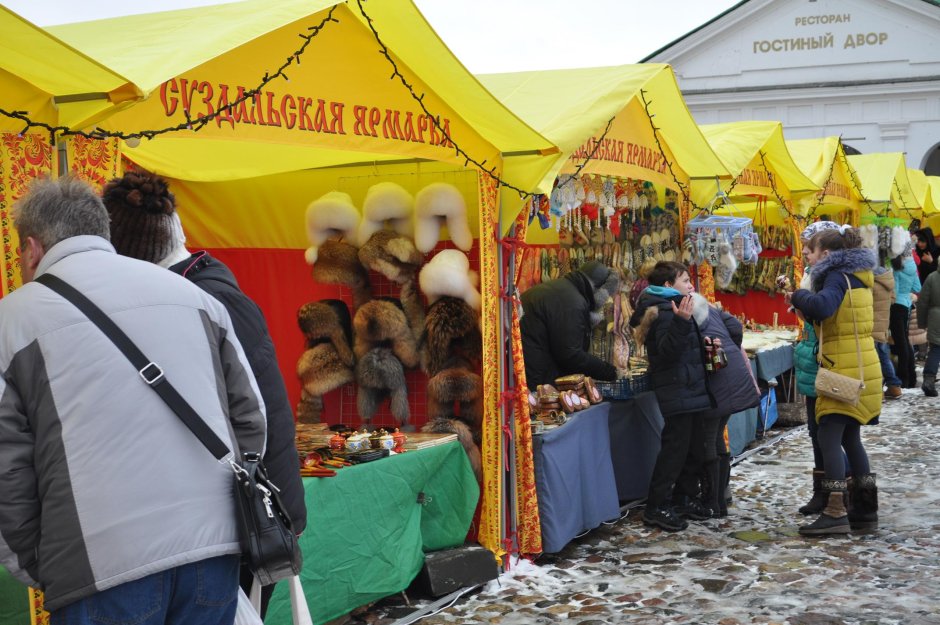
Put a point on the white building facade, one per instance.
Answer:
(868, 70)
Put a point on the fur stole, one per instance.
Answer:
(846, 261)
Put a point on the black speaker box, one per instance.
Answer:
(452, 569)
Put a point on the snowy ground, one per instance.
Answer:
(751, 567)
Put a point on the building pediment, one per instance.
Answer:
(766, 43)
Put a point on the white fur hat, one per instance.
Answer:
(332, 215)
(448, 274)
(386, 201)
(439, 202)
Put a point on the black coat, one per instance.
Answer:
(280, 456)
(676, 356)
(556, 331)
(733, 387)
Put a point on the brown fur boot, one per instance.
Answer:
(834, 518)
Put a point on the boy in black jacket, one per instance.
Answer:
(665, 325)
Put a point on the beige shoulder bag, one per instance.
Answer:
(834, 385)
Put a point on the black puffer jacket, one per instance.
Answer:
(280, 456)
(556, 327)
(676, 356)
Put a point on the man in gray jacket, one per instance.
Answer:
(107, 501)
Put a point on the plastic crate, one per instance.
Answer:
(625, 388)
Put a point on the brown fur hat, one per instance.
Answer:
(461, 387)
(332, 216)
(451, 335)
(379, 374)
(327, 363)
(338, 263)
(465, 436)
(392, 255)
(382, 323)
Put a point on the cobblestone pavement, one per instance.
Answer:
(751, 567)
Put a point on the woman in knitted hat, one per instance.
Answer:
(145, 226)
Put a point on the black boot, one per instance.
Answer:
(664, 518)
(930, 385)
(711, 488)
(863, 502)
(691, 508)
(818, 501)
(834, 519)
(724, 484)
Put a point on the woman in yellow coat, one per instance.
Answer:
(843, 323)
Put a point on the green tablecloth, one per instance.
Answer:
(367, 531)
(14, 600)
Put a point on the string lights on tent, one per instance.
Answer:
(821, 196)
(190, 124)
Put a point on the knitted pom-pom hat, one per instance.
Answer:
(144, 223)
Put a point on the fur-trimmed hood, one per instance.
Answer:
(847, 261)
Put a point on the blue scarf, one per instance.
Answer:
(665, 292)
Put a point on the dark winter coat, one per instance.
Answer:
(733, 387)
(924, 269)
(928, 308)
(676, 356)
(556, 329)
(251, 329)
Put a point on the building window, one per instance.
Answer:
(932, 166)
(849, 150)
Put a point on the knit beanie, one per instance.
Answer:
(144, 223)
(816, 227)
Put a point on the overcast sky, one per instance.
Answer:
(486, 35)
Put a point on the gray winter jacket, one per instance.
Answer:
(100, 482)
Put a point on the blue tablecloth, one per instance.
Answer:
(636, 426)
(773, 362)
(574, 477)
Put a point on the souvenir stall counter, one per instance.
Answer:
(574, 477)
(371, 524)
(635, 426)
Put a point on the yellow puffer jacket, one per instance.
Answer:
(838, 352)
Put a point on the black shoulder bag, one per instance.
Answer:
(269, 545)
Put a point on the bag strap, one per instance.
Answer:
(858, 345)
(148, 370)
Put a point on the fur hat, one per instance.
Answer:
(386, 202)
(332, 215)
(327, 363)
(451, 337)
(441, 202)
(379, 374)
(382, 323)
(461, 387)
(448, 274)
(144, 223)
(338, 263)
(392, 255)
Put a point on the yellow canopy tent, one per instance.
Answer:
(572, 108)
(343, 121)
(757, 157)
(934, 220)
(922, 191)
(885, 184)
(52, 82)
(824, 162)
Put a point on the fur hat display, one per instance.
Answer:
(382, 323)
(461, 388)
(333, 215)
(327, 363)
(379, 374)
(338, 263)
(386, 202)
(436, 203)
(464, 435)
(448, 274)
(451, 337)
(144, 222)
(392, 255)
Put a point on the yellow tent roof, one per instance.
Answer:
(340, 99)
(922, 191)
(571, 108)
(753, 152)
(823, 161)
(884, 181)
(51, 81)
